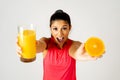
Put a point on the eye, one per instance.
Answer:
(55, 29)
(64, 28)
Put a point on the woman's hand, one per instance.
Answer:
(83, 55)
(19, 49)
(78, 52)
(40, 46)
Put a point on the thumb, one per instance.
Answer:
(37, 42)
(82, 46)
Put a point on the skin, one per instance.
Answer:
(60, 31)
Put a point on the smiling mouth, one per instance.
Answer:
(60, 39)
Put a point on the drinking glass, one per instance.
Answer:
(27, 42)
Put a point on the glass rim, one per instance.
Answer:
(23, 27)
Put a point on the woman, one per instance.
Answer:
(60, 53)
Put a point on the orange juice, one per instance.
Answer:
(95, 46)
(27, 41)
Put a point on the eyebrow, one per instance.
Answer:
(65, 25)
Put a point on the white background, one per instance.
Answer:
(99, 18)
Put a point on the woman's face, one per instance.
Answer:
(60, 30)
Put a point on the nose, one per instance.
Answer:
(60, 33)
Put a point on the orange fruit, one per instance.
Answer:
(94, 46)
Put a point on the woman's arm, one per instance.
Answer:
(41, 44)
(77, 51)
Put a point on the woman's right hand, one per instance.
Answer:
(19, 49)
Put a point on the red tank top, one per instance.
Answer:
(58, 65)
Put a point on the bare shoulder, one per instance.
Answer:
(75, 45)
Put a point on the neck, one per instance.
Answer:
(60, 46)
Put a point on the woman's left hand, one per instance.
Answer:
(81, 54)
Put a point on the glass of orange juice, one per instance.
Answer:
(27, 41)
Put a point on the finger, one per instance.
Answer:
(19, 50)
(19, 54)
(17, 42)
(37, 42)
(82, 46)
(94, 58)
(18, 47)
(104, 52)
(100, 56)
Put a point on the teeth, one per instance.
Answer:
(60, 39)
